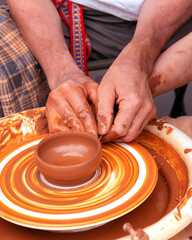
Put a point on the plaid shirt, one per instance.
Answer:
(22, 82)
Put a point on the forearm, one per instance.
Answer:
(40, 25)
(173, 68)
(158, 21)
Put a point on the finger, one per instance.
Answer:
(105, 108)
(132, 133)
(54, 120)
(124, 118)
(92, 88)
(76, 98)
(128, 109)
(139, 122)
(92, 91)
(57, 105)
(110, 136)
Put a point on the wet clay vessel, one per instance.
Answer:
(68, 156)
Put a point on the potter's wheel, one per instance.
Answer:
(126, 177)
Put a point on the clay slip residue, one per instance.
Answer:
(182, 204)
(155, 81)
(187, 150)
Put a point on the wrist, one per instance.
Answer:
(62, 65)
(140, 53)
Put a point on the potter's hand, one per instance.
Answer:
(124, 84)
(68, 106)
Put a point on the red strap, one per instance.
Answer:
(80, 44)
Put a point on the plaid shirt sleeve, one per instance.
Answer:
(22, 82)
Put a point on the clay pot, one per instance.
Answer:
(68, 156)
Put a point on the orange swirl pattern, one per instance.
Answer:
(126, 177)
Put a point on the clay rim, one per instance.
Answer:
(94, 162)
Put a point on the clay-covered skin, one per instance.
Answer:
(68, 156)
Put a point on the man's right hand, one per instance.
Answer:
(68, 106)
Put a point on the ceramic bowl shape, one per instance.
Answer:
(68, 156)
